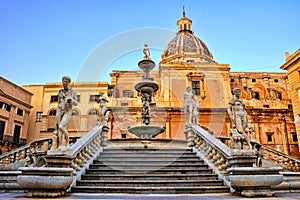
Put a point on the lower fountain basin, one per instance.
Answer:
(146, 131)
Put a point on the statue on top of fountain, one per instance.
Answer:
(191, 104)
(146, 51)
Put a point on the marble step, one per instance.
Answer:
(151, 190)
(150, 170)
(152, 183)
(149, 177)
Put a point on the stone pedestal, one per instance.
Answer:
(104, 132)
(190, 136)
(57, 160)
(45, 182)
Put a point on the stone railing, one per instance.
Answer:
(287, 162)
(63, 167)
(28, 155)
(210, 149)
(236, 167)
(86, 149)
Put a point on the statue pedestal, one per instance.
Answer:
(58, 160)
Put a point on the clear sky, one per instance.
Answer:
(42, 40)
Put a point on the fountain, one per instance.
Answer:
(147, 88)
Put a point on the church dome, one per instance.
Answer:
(186, 44)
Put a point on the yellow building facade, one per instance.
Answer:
(292, 66)
(186, 61)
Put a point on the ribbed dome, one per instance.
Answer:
(186, 44)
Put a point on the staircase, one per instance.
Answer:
(155, 171)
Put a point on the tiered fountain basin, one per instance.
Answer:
(146, 65)
(148, 131)
(146, 86)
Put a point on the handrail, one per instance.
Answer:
(85, 150)
(215, 153)
(284, 160)
(29, 154)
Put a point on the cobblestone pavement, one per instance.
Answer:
(20, 196)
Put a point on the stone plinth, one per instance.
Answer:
(58, 160)
(45, 182)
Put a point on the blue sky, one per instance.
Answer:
(40, 41)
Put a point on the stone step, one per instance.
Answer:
(151, 190)
(141, 162)
(152, 183)
(149, 177)
(148, 167)
(139, 159)
(140, 150)
(154, 171)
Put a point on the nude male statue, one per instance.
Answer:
(238, 115)
(102, 108)
(66, 100)
(188, 98)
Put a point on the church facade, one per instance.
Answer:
(186, 61)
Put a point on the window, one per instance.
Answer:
(2, 128)
(54, 98)
(124, 104)
(270, 136)
(266, 106)
(78, 97)
(75, 113)
(52, 112)
(290, 106)
(38, 117)
(253, 80)
(19, 112)
(196, 87)
(294, 136)
(232, 80)
(276, 80)
(257, 95)
(123, 135)
(5, 106)
(16, 136)
(93, 112)
(94, 97)
(127, 93)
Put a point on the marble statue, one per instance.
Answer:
(103, 114)
(190, 109)
(195, 112)
(239, 121)
(146, 52)
(66, 100)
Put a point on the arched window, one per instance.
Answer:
(75, 113)
(93, 112)
(52, 112)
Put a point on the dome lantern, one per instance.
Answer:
(184, 24)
